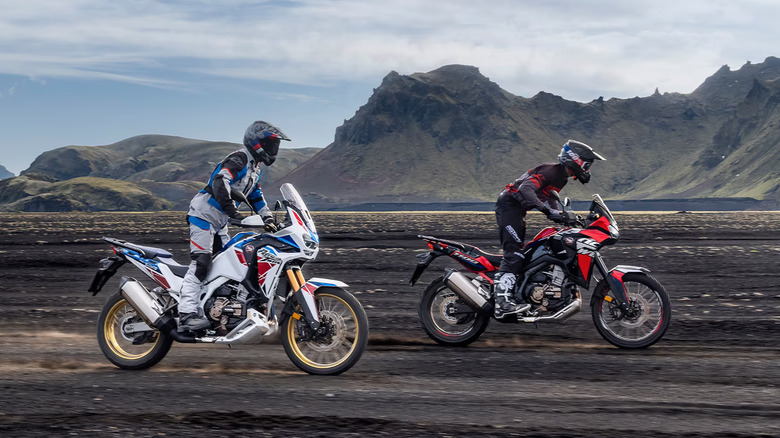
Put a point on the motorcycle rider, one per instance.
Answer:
(531, 191)
(211, 207)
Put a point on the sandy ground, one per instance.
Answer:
(715, 373)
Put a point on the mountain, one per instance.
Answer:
(170, 169)
(741, 159)
(453, 135)
(158, 158)
(4, 173)
(38, 192)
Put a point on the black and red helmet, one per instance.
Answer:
(578, 157)
(262, 140)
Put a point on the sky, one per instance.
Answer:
(94, 72)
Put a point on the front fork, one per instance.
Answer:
(303, 294)
(614, 279)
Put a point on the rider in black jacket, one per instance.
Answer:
(532, 191)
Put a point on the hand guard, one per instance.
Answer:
(269, 224)
(555, 215)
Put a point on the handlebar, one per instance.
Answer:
(571, 220)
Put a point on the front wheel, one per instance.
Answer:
(121, 342)
(339, 342)
(649, 312)
(447, 319)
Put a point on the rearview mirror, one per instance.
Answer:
(239, 196)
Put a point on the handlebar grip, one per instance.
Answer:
(233, 221)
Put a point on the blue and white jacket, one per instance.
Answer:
(213, 204)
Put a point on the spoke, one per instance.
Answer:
(650, 325)
(647, 302)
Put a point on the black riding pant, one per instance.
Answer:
(510, 216)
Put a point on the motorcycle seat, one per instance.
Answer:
(177, 269)
(147, 252)
(494, 259)
(470, 250)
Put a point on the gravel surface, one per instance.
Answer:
(714, 374)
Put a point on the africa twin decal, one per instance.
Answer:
(586, 246)
(266, 261)
(268, 255)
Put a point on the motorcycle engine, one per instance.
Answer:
(546, 290)
(227, 307)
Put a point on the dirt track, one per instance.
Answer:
(714, 374)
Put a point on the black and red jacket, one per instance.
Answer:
(533, 188)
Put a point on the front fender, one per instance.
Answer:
(615, 283)
(322, 282)
(304, 297)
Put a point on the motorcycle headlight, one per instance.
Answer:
(309, 242)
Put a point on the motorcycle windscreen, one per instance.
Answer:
(293, 198)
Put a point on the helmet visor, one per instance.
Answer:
(270, 145)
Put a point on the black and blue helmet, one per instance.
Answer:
(262, 140)
(578, 157)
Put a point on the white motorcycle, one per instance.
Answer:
(324, 329)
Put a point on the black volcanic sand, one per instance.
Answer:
(715, 373)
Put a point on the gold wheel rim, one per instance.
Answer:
(117, 342)
(351, 315)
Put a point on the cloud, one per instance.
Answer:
(577, 49)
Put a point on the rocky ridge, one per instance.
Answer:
(454, 135)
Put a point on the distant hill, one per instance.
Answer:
(37, 192)
(169, 169)
(4, 173)
(453, 135)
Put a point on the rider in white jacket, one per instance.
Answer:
(211, 207)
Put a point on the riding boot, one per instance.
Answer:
(193, 322)
(503, 293)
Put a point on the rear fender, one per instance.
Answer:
(615, 282)
(422, 265)
(106, 270)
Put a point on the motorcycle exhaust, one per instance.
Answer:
(466, 290)
(558, 316)
(136, 294)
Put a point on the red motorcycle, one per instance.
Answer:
(629, 307)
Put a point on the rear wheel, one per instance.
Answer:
(122, 339)
(647, 319)
(447, 319)
(340, 341)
